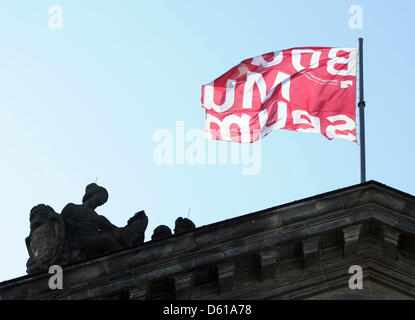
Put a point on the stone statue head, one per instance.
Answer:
(38, 215)
(161, 232)
(95, 196)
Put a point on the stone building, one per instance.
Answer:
(300, 250)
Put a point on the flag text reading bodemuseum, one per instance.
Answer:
(309, 89)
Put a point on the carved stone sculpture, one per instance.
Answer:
(46, 238)
(161, 232)
(78, 233)
(183, 225)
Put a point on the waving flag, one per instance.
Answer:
(304, 89)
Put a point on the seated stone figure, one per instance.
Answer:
(78, 233)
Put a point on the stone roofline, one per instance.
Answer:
(300, 220)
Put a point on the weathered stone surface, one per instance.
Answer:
(184, 284)
(390, 241)
(46, 239)
(139, 293)
(267, 260)
(351, 240)
(135, 228)
(235, 259)
(226, 276)
(310, 252)
(371, 291)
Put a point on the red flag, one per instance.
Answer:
(304, 89)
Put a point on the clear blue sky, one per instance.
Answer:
(84, 102)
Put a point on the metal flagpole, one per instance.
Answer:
(362, 105)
